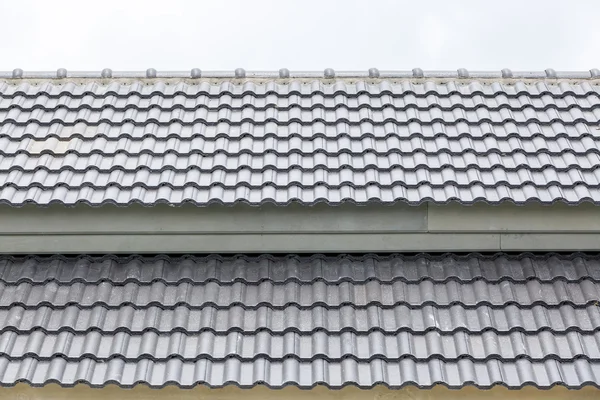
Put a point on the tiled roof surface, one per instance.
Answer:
(375, 137)
(290, 320)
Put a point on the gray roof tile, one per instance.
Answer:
(512, 320)
(305, 140)
(120, 270)
(279, 296)
(289, 371)
(401, 318)
(318, 345)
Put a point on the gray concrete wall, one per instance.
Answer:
(211, 220)
(514, 219)
(295, 228)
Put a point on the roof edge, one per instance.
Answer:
(284, 73)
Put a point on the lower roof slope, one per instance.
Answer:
(229, 139)
(393, 320)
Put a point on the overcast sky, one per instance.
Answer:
(300, 34)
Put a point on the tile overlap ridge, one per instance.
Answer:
(285, 73)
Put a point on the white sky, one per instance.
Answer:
(299, 34)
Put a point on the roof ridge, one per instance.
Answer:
(284, 73)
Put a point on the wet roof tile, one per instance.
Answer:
(457, 320)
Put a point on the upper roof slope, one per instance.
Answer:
(199, 137)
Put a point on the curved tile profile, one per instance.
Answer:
(202, 180)
(194, 346)
(276, 374)
(218, 194)
(390, 143)
(396, 101)
(126, 318)
(105, 132)
(46, 162)
(304, 117)
(223, 140)
(120, 270)
(304, 296)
